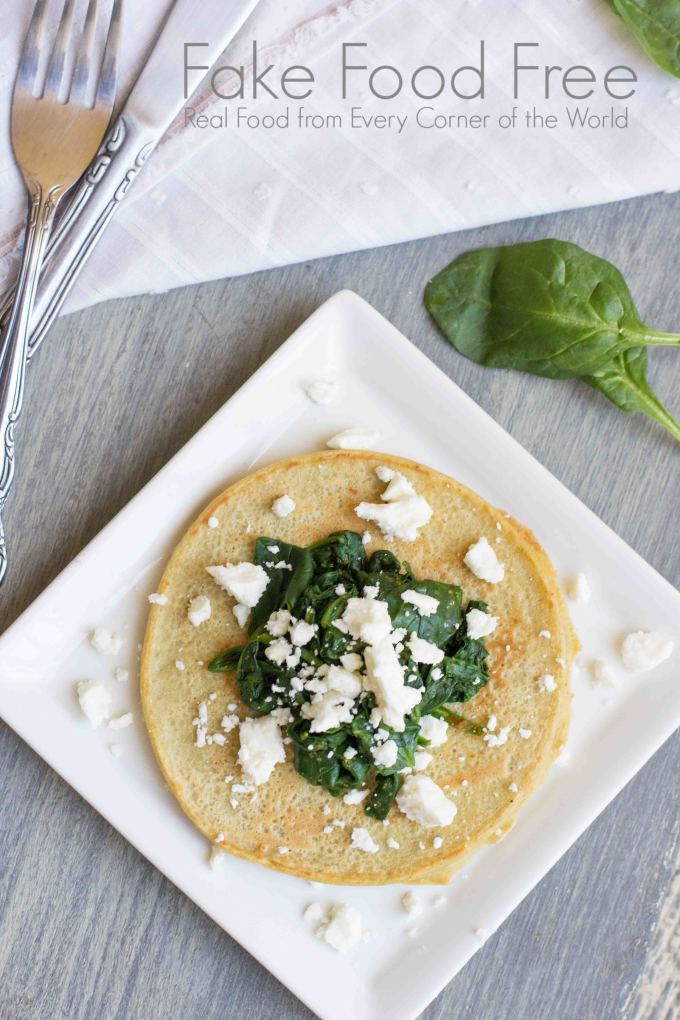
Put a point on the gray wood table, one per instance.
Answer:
(88, 928)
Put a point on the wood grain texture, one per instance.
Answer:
(88, 928)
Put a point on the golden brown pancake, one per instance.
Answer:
(287, 811)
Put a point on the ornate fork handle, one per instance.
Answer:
(43, 206)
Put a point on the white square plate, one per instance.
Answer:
(613, 732)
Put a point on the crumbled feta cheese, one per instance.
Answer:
(362, 840)
(229, 723)
(578, 589)
(122, 721)
(497, 739)
(283, 850)
(106, 641)
(480, 624)
(278, 623)
(349, 753)
(121, 675)
(356, 438)
(261, 748)
(402, 511)
(548, 683)
(371, 591)
(367, 538)
(545, 634)
(483, 562)
(283, 506)
(321, 391)
(513, 788)
(343, 928)
(424, 651)
(199, 610)
(437, 842)
(313, 912)
(94, 701)
(355, 796)
(278, 651)
(213, 523)
(116, 750)
(602, 673)
(524, 733)
(385, 754)
(157, 600)
(411, 905)
(246, 582)
(352, 662)
(644, 650)
(385, 679)
(435, 731)
(343, 681)
(327, 711)
(241, 613)
(426, 605)
(367, 620)
(301, 633)
(425, 803)
(421, 760)
(392, 843)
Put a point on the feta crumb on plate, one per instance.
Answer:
(321, 391)
(94, 701)
(121, 675)
(343, 928)
(313, 912)
(362, 840)
(121, 722)
(216, 858)
(402, 511)
(483, 562)
(200, 610)
(578, 589)
(411, 905)
(283, 506)
(356, 438)
(116, 750)
(644, 650)
(106, 641)
(602, 673)
(425, 803)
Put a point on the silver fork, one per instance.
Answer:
(59, 118)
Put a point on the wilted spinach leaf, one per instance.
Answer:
(316, 589)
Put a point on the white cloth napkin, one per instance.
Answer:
(218, 203)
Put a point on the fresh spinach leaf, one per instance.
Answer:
(656, 26)
(552, 309)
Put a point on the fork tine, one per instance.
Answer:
(108, 75)
(60, 50)
(81, 70)
(30, 57)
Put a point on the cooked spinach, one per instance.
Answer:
(553, 309)
(314, 584)
(656, 26)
